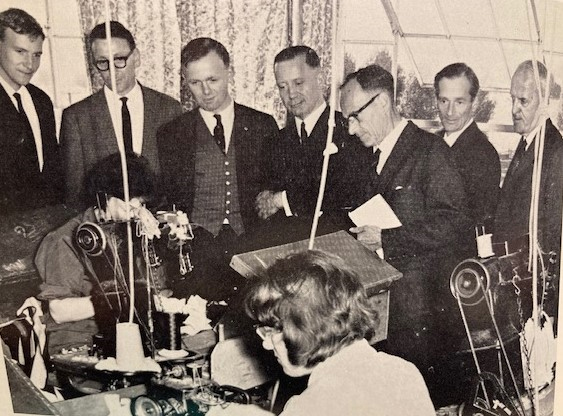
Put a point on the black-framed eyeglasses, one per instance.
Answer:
(119, 62)
(354, 114)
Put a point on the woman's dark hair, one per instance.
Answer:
(106, 177)
(317, 302)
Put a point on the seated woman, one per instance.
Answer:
(314, 315)
(70, 277)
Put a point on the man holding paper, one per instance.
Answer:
(413, 175)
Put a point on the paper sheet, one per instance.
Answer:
(376, 212)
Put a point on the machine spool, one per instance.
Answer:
(91, 239)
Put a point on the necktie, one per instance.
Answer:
(372, 186)
(518, 154)
(126, 126)
(29, 151)
(303, 137)
(219, 133)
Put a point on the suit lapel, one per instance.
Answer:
(6, 103)
(105, 133)
(401, 151)
(465, 138)
(239, 137)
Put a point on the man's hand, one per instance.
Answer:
(368, 235)
(268, 203)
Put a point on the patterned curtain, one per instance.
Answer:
(154, 25)
(317, 34)
(253, 31)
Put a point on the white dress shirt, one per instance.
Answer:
(31, 113)
(451, 138)
(136, 107)
(310, 123)
(310, 120)
(532, 135)
(388, 143)
(227, 120)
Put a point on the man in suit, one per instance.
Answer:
(214, 162)
(298, 156)
(530, 116)
(476, 159)
(414, 175)
(30, 175)
(88, 131)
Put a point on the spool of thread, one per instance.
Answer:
(485, 246)
(129, 348)
(221, 332)
(174, 323)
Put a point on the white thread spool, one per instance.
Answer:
(485, 246)
(129, 348)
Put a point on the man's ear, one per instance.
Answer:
(137, 57)
(386, 101)
(319, 77)
(474, 106)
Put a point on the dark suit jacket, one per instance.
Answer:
(253, 135)
(21, 190)
(478, 163)
(298, 167)
(513, 211)
(426, 193)
(87, 136)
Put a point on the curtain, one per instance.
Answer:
(154, 25)
(317, 34)
(253, 31)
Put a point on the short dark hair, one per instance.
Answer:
(317, 302)
(459, 69)
(117, 30)
(106, 177)
(20, 22)
(311, 57)
(200, 47)
(371, 78)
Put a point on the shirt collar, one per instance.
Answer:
(311, 119)
(133, 94)
(386, 146)
(451, 138)
(532, 135)
(227, 114)
(9, 90)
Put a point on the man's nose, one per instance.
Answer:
(28, 62)
(352, 126)
(206, 89)
(292, 92)
(450, 108)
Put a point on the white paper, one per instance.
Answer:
(376, 212)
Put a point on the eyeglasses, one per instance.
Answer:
(266, 331)
(354, 114)
(119, 62)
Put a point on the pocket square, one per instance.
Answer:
(398, 188)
